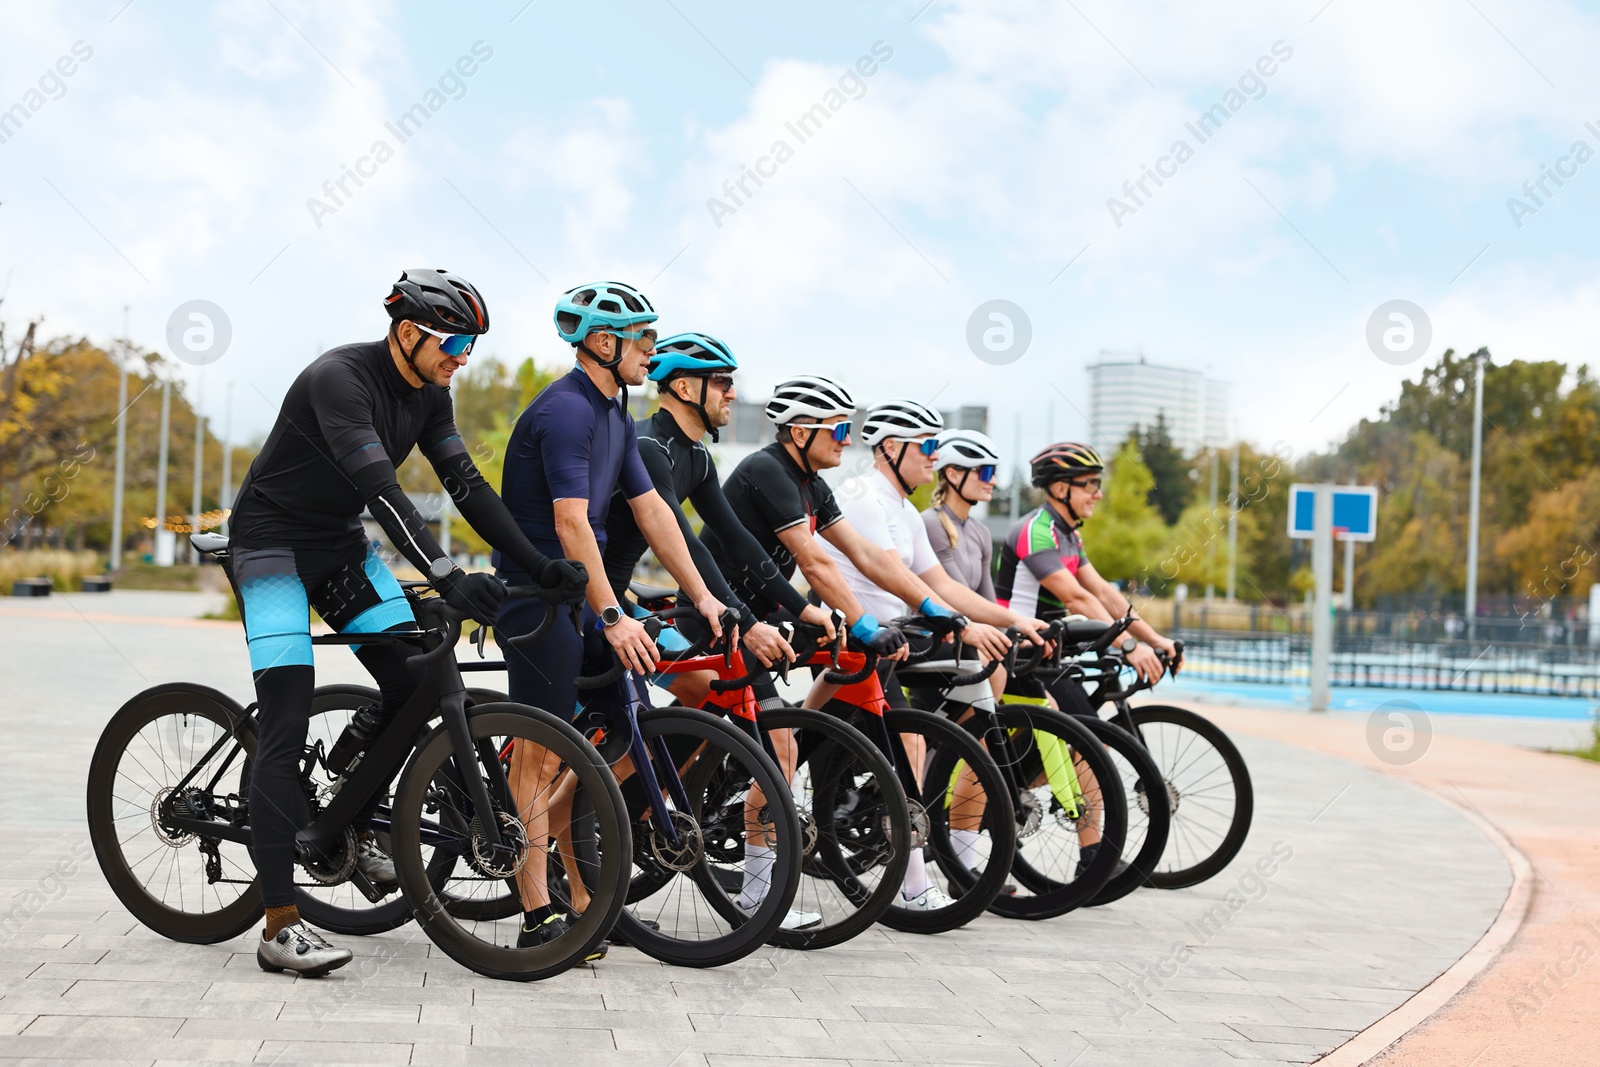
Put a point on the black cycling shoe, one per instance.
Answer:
(617, 937)
(549, 930)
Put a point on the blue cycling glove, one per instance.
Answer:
(935, 611)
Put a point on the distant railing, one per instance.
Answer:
(1564, 625)
(1380, 662)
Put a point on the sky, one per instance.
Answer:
(958, 152)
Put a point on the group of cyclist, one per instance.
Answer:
(585, 492)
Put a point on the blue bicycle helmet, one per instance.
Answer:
(601, 306)
(690, 354)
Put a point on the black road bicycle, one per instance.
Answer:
(169, 811)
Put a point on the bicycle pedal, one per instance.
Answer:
(373, 894)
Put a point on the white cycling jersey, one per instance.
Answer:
(886, 518)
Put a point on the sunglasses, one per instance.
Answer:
(927, 445)
(839, 431)
(986, 472)
(721, 381)
(451, 344)
(1091, 484)
(648, 336)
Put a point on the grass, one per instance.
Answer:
(1593, 751)
(66, 570)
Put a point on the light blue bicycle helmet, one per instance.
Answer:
(601, 306)
(692, 355)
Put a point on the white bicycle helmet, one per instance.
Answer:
(809, 397)
(899, 418)
(966, 448)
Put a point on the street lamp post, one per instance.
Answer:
(122, 447)
(1479, 358)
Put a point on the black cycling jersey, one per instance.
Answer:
(682, 469)
(347, 422)
(769, 493)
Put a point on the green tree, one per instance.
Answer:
(1172, 488)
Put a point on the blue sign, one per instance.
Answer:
(1355, 511)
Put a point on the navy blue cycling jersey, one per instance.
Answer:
(572, 442)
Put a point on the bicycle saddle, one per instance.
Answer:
(208, 542)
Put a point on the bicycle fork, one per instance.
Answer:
(645, 755)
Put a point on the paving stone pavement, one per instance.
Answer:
(1353, 891)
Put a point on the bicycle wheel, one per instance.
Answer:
(182, 885)
(1149, 811)
(855, 824)
(1065, 788)
(1208, 786)
(434, 814)
(693, 890)
(960, 782)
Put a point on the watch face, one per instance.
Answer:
(441, 567)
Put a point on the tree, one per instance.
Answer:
(1126, 533)
(1172, 488)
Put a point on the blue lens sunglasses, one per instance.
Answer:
(451, 344)
(839, 431)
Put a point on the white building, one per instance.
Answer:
(1129, 392)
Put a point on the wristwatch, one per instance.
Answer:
(441, 568)
(610, 615)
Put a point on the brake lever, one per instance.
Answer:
(786, 631)
(479, 637)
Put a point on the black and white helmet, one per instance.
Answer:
(899, 418)
(809, 398)
(966, 448)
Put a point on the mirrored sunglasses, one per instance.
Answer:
(839, 431)
(451, 344)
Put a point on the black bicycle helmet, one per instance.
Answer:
(438, 299)
(1065, 462)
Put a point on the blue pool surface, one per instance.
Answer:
(1433, 701)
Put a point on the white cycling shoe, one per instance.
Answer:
(300, 949)
(930, 899)
(800, 920)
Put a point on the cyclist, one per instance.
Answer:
(571, 450)
(297, 542)
(903, 437)
(694, 374)
(1043, 570)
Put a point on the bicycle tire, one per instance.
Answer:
(877, 824)
(1149, 810)
(1195, 851)
(106, 808)
(1045, 870)
(417, 797)
(971, 895)
(734, 933)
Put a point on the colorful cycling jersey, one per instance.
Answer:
(1038, 546)
(572, 442)
(770, 493)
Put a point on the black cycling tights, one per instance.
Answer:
(276, 587)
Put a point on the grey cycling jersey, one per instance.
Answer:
(967, 561)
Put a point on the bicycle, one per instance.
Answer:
(452, 822)
(1064, 787)
(854, 817)
(690, 776)
(957, 779)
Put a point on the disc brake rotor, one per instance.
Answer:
(921, 824)
(1030, 814)
(167, 837)
(687, 852)
(507, 860)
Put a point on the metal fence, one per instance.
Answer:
(1381, 662)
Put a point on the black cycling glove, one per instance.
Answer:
(478, 594)
(886, 641)
(563, 581)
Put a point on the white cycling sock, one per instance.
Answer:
(758, 860)
(917, 881)
(966, 846)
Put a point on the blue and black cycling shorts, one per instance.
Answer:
(351, 589)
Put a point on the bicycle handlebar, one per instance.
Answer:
(834, 677)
